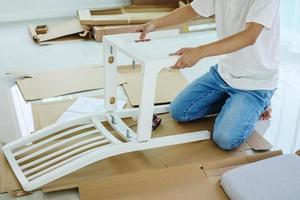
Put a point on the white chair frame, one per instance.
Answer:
(41, 157)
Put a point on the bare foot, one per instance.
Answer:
(266, 114)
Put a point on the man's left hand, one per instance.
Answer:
(189, 57)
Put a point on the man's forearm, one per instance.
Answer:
(179, 16)
(232, 43)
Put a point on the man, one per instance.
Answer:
(240, 87)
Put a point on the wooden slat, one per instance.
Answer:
(105, 132)
(35, 169)
(56, 145)
(62, 163)
(46, 132)
(53, 138)
(35, 162)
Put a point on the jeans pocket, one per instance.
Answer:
(266, 94)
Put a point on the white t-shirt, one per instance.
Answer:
(255, 67)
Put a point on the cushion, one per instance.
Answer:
(275, 178)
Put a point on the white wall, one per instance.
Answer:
(15, 10)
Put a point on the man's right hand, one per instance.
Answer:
(178, 16)
(144, 29)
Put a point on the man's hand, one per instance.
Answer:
(178, 16)
(144, 29)
(189, 57)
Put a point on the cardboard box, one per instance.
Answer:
(99, 31)
(134, 14)
(67, 30)
(90, 17)
(189, 182)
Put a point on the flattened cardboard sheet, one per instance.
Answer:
(218, 167)
(8, 181)
(257, 143)
(194, 181)
(47, 113)
(61, 82)
(169, 84)
(62, 31)
(184, 182)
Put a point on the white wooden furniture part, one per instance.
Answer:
(63, 148)
(10, 125)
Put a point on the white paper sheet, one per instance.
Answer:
(85, 106)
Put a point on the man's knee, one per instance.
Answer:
(227, 141)
(177, 112)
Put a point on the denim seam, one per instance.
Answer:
(251, 118)
(188, 109)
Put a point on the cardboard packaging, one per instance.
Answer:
(47, 91)
(156, 2)
(190, 182)
(169, 84)
(160, 158)
(197, 152)
(67, 30)
(90, 17)
(47, 85)
(134, 14)
(8, 181)
(61, 82)
(186, 182)
(99, 31)
(47, 113)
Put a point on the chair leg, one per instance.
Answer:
(110, 78)
(147, 99)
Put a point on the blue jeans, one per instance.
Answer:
(239, 110)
